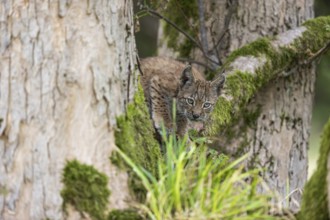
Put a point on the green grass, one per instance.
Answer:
(194, 184)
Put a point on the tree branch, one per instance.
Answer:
(254, 65)
(196, 62)
(197, 44)
(155, 13)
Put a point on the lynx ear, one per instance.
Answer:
(217, 84)
(187, 77)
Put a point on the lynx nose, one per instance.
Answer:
(195, 116)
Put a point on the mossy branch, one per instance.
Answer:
(254, 65)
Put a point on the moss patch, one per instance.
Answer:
(255, 48)
(241, 86)
(317, 35)
(221, 115)
(85, 188)
(135, 137)
(314, 202)
(125, 214)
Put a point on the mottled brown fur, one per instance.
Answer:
(165, 80)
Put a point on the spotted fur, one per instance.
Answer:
(165, 80)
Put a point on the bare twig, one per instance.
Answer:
(232, 8)
(220, 38)
(196, 62)
(203, 35)
(318, 53)
(155, 13)
(288, 72)
(197, 44)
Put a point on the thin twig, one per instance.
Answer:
(232, 8)
(220, 38)
(195, 61)
(213, 42)
(318, 53)
(198, 45)
(203, 33)
(155, 13)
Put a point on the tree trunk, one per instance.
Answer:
(279, 137)
(65, 74)
(277, 120)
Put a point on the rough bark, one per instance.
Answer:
(279, 145)
(278, 136)
(65, 70)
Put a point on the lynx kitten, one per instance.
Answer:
(164, 80)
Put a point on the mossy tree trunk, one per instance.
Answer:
(276, 122)
(316, 198)
(66, 72)
(278, 117)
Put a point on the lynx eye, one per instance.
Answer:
(206, 105)
(190, 101)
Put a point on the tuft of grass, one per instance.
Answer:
(198, 184)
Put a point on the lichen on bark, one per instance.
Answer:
(314, 203)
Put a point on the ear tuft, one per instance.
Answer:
(218, 83)
(187, 77)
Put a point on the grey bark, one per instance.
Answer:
(64, 75)
(279, 138)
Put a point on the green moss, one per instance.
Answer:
(317, 36)
(275, 59)
(85, 188)
(183, 13)
(135, 137)
(314, 202)
(126, 214)
(221, 115)
(262, 46)
(241, 86)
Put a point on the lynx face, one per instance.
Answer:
(196, 98)
(165, 80)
